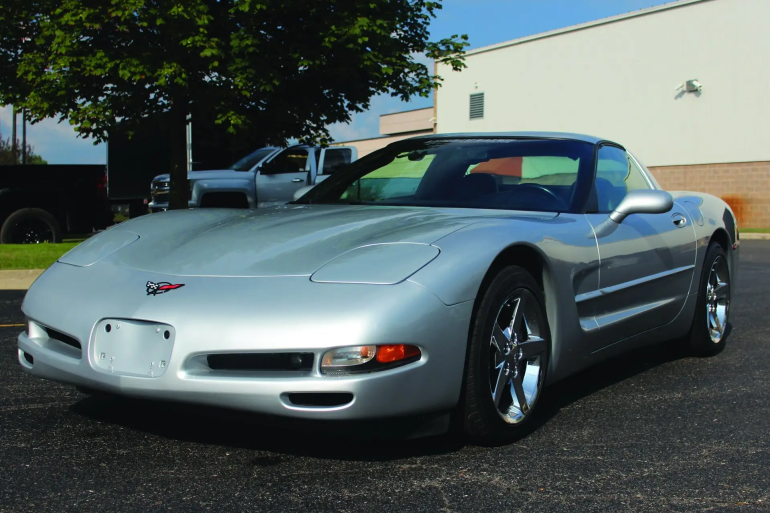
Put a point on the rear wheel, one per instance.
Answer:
(30, 226)
(508, 357)
(708, 334)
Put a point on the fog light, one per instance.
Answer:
(347, 357)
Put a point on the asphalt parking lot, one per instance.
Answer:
(645, 432)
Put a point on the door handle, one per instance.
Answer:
(297, 180)
(679, 220)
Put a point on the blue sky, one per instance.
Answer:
(485, 21)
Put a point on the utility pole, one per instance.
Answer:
(13, 136)
(189, 143)
(24, 137)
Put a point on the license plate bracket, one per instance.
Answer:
(132, 348)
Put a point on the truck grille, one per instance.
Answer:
(159, 192)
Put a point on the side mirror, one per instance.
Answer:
(268, 168)
(301, 192)
(642, 202)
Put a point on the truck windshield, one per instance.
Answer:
(494, 173)
(251, 160)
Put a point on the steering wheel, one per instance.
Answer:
(541, 190)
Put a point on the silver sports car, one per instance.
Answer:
(446, 273)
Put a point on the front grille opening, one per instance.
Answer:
(261, 361)
(61, 337)
(224, 200)
(320, 399)
(29, 358)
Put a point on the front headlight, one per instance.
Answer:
(377, 264)
(97, 247)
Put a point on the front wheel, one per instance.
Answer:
(508, 357)
(708, 334)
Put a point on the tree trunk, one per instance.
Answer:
(179, 188)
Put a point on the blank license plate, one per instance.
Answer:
(134, 348)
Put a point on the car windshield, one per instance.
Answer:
(501, 173)
(251, 160)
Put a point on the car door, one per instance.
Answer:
(647, 261)
(334, 159)
(278, 178)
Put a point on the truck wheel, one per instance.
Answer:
(30, 226)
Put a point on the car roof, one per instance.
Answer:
(529, 135)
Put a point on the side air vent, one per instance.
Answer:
(320, 399)
(261, 361)
(61, 337)
(477, 106)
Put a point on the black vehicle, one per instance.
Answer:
(38, 203)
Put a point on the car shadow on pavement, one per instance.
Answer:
(602, 375)
(235, 429)
(213, 426)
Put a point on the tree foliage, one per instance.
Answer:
(7, 157)
(287, 68)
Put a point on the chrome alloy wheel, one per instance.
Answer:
(517, 356)
(717, 299)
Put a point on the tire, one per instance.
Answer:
(30, 226)
(708, 333)
(491, 414)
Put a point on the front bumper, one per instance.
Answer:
(156, 206)
(235, 315)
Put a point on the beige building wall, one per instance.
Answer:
(616, 80)
(367, 146)
(409, 121)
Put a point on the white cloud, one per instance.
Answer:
(55, 142)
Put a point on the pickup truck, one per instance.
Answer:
(269, 176)
(40, 202)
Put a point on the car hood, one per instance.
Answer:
(284, 241)
(212, 174)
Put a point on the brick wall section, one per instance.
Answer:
(745, 186)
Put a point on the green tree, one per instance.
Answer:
(287, 68)
(6, 153)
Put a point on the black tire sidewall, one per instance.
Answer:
(480, 416)
(6, 232)
(700, 342)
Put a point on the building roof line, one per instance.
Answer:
(405, 111)
(587, 25)
(414, 133)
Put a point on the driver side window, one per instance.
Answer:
(288, 161)
(616, 175)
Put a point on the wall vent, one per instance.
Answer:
(477, 106)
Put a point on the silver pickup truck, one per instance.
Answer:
(269, 176)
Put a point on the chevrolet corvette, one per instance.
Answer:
(458, 273)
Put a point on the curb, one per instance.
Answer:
(755, 236)
(18, 279)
